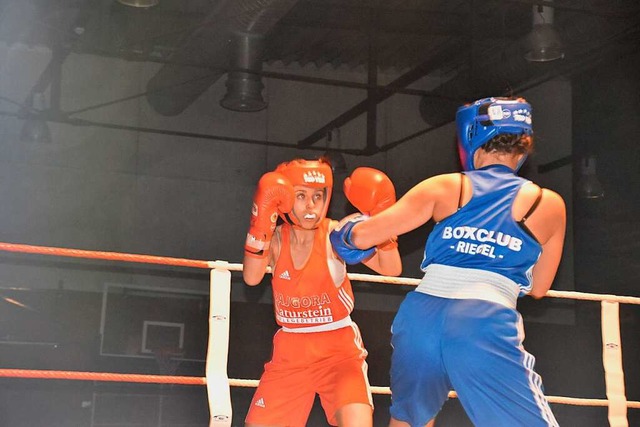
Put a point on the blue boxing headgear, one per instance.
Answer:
(480, 121)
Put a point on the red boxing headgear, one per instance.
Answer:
(310, 173)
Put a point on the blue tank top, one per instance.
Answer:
(483, 234)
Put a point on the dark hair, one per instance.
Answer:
(510, 143)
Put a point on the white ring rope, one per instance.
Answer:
(584, 296)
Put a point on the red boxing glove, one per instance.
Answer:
(274, 194)
(369, 190)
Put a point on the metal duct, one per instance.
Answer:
(204, 56)
(244, 89)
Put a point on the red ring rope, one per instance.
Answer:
(101, 376)
(113, 256)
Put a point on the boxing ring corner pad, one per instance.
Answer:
(612, 362)
(218, 388)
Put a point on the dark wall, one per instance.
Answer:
(606, 124)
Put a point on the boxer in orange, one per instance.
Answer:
(318, 348)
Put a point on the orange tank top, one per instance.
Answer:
(308, 297)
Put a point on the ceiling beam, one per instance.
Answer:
(443, 53)
(372, 81)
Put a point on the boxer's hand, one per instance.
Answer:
(341, 242)
(371, 192)
(274, 193)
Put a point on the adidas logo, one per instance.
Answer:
(285, 275)
(260, 402)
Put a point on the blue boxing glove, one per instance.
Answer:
(340, 239)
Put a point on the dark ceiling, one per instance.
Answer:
(475, 47)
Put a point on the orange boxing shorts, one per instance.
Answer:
(331, 364)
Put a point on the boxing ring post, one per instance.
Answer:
(612, 362)
(218, 389)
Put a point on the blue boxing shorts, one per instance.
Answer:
(473, 347)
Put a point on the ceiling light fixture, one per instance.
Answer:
(589, 187)
(543, 43)
(139, 3)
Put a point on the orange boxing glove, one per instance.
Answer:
(371, 192)
(274, 194)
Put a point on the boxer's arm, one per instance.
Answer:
(274, 194)
(413, 209)
(254, 269)
(555, 219)
(371, 192)
(340, 238)
(386, 261)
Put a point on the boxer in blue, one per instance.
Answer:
(497, 237)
